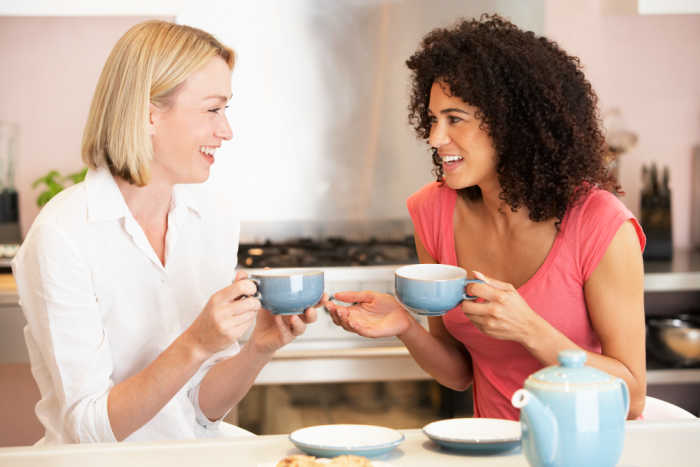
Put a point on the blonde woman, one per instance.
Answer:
(127, 279)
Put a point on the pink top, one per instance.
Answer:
(555, 291)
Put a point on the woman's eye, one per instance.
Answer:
(432, 120)
(453, 119)
(218, 109)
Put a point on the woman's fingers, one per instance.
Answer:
(309, 315)
(239, 288)
(354, 297)
(244, 305)
(493, 282)
(295, 324)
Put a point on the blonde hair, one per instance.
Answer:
(147, 65)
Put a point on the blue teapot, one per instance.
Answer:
(572, 415)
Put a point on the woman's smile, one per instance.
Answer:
(208, 153)
(451, 162)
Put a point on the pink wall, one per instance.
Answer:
(50, 66)
(649, 68)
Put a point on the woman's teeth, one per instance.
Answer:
(448, 159)
(207, 150)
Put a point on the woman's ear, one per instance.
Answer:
(153, 116)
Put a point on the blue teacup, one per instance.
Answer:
(288, 291)
(431, 289)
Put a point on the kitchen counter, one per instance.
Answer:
(646, 444)
(681, 273)
(345, 360)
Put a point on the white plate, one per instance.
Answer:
(335, 440)
(325, 461)
(475, 434)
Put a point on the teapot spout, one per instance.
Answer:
(540, 428)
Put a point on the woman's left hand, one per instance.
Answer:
(274, 331)
(501, 313)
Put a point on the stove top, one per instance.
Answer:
(331, 251)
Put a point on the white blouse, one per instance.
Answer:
(100, 306)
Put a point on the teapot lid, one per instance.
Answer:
(571, 373)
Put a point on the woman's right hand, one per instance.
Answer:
(371, 314)
(226, 317)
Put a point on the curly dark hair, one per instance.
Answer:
(532, 99)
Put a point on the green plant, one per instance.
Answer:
(55, 182)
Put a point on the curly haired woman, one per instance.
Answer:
(523, 200)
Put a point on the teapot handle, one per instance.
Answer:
(625, 396)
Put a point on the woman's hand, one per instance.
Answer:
(226, 317)
(274, 331)
(371, 314)
(501, 313)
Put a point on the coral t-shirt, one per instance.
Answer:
(555, 291)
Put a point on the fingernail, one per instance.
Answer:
(479, 275)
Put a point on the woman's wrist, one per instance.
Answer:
(191, 346)
(256, 354)
(542, 340)
(411, 330)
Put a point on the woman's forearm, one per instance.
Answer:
(227, 382)
(137, 399)
(448, 364)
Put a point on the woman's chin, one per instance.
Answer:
(455, 183)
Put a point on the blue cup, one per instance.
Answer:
(288, 291)
(431, 289)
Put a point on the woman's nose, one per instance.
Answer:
(438, 136)
(224, 131)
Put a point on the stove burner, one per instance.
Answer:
(331, 251)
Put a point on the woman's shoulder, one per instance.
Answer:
(59, 226)
(429, 194)
(597, 207)
(66, 210)
(591, 225)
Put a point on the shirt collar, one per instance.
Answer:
(183, 196)
(105, 200)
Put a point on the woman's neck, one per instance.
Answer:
(149, 203)
(499, 214)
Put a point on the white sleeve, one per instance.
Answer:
(56, 292)
(196, 381)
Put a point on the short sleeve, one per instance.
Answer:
(598, 219)
(424, 207)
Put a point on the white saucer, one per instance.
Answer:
(475, 434)
(335, 440)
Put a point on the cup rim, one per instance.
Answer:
(285, 272)
(400, 271)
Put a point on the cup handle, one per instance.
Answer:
(255, 281)
(331, 297)
(625, 396)
(466, 296)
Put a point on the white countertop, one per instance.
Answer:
(651, 444)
